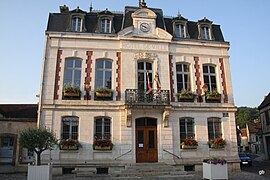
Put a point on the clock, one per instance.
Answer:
(145, 27)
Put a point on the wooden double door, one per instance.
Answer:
(146, 140)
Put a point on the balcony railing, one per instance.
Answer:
(142, 97)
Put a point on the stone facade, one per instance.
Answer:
(125, 49)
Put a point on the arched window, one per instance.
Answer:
(209, 76)
(145, 75)
(214, 128)
(102, 128)
(103, 74)
(186, 128)
(70, 127)
(106, 25)
(76, 24)
(72, 72)
(182, 77)
(180, 30)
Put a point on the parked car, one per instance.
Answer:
(245, 159)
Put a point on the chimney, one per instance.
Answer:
(64, 9)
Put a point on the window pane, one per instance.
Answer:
(212, 69)
(179, 67)
(68, 76)
(99, 79)
(99, 64)
(151, 136)
(205, 69)
(148, 66)
(108, 64)
(140, 65)
(78, 64)
(186, 68)
(108, 79)
(69, 63)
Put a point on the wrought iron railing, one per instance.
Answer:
(142, 97)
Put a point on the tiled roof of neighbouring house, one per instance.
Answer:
(254, 127)
(61, 22)
(23, 111)
(265, 102)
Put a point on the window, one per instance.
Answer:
(72, 74)
(103, 74)
(214, 128)
(182, 77)
(77, 24)
(106, 25)
(209, 76)
(102, 128)
(267, 117)
(180, 30)
(186, 129)
(70, 127)
(205, 33)
(145, 74)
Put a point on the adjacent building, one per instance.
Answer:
(264, 110)
(138, 80)
(13, 119)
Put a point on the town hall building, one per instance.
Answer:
(136, 87)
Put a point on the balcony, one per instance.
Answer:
(141, 97)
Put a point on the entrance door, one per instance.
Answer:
(146, 140)
(6, 149)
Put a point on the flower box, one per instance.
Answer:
(215, 171)
(218, 143)
(105, 148)
(103, 94)
(214, 146)
(183, 146)
(71, 94)
(63, 147)
(186, 96)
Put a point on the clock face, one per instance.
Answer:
(145, 27)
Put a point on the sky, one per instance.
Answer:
(244, 23)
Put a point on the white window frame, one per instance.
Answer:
(205, 32)
(180, 30)
(73, 69)
(106, 25)
(77, 24)
(104, 135)
(145, 71)
(214, 120)
(182, 74)
(187, 120)
(103, 70)
(73, 121)
(209, 75)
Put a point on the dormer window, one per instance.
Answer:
(106, 25)
(180, 30)
(180, 27)
(77, 24)
(205, 33)
(205, 29)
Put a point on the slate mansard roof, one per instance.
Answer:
(61, 22)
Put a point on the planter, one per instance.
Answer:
(188, 147)
(215, 146)
(71, 94)
(43, 172)
(215, 171)
(103, 94)
(186, 98)
(69, 148)
(103, 148)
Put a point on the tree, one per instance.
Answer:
(246, 114)
(37, 140)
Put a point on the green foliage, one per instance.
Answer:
(246, 114)
(37, 140)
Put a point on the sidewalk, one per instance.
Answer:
(194, 176)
